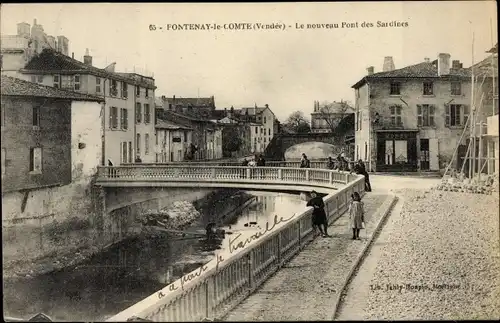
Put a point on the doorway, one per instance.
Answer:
(424, 154)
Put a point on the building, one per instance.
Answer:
(172, 141)
(205, 133)
(486, 91)
(129, 101)
(262, 126)
(327, 116)
(412, 118)
(50, 137)
(17, 50)
(200, 107)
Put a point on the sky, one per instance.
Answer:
(288, 69)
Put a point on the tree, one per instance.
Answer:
(231, 140)
(297, 123)
(334, 112)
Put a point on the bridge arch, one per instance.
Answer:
(313, 150)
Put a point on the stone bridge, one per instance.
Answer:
(340, 138)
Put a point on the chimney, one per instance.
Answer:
(87, 59)
(427, 60)
(388, 64)
(370, 70)
(267, 105)
(444, 64)
(455, 64)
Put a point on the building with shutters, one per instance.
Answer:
(50, 137)
(411, 119)
(129, 101)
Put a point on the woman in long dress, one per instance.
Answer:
(356, 215)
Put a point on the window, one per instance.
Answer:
(137, 90)
(456, 115)
(147, 92)
(138, 144)
(37, 78)
(98, 85)
(33, 78)
(396, 119)
(113, 88)
(269, 131)
(425, 115)
(123, 119)
(261, 130)
(77, 83)
(57, 81)
(147, 114)
(146, 143)
(185, 136)
(124, 152)
(428, 88)
(456, 88)
(138, 113)
(124, 90)
(395, 88)
(4, 151)
(130, 152)
(113, 117)
(265, 120)
(36, 116)
(36, 160)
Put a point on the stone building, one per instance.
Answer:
(129, 100)
(325, 117)
(17, 50)
(172, 141)
(411, 118)
(51, 147)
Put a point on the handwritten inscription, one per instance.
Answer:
(235, 243)
(189, 277)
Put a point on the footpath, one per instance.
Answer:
(308, 287)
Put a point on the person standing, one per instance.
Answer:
(356, 215)
(319, 219)
(261, 162)
(305, 163)
(360, 169)
(330, 164)
(244, 163)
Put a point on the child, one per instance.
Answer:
(356, 215)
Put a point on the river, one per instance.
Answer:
(130, 271)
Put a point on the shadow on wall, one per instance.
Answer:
(313, 150)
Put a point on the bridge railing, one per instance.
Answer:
(211, 291)
(222, 173)
(322, 164)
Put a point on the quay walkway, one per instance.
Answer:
(213, 290)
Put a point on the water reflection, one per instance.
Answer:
(130, 271)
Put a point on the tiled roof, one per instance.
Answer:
(163, 124)
(16, 87)
(484, 67)
(420, 70)
(51, 61)
(251, 110)
(194, 102)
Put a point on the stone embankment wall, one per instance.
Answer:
(50, 228)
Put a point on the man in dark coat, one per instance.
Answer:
(360, 169)
(319, 219)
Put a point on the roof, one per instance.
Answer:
(194, 102)
(420, 70)
(494, 49)
(16, 87)
(336, 107)
(164, 124)
(50, 60)
(484, 67)
(251, 110)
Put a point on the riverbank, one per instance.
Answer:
(214, 203)
(438, 258)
